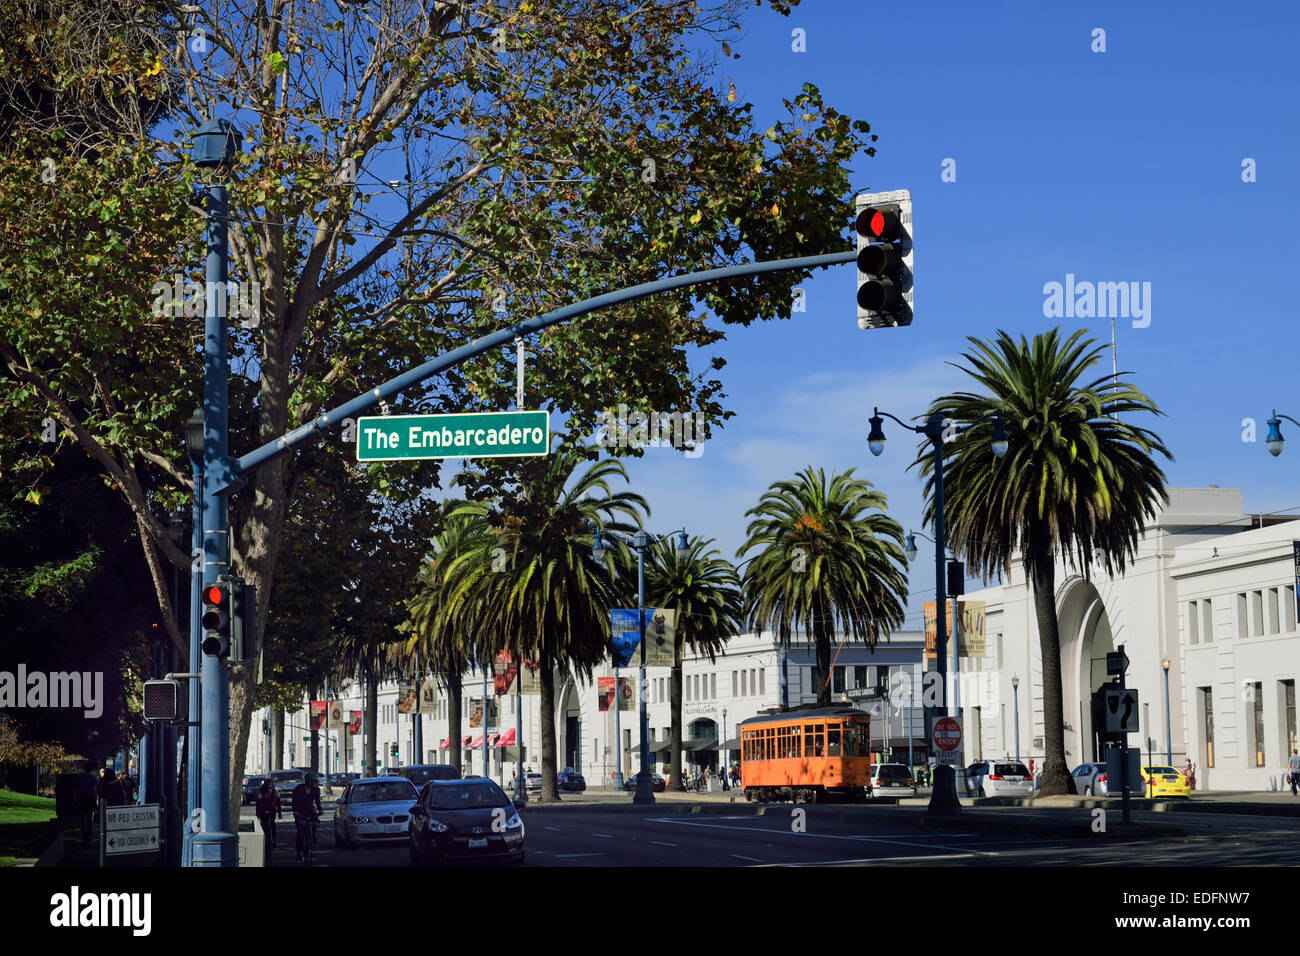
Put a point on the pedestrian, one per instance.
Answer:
(268, 809)
(128, 787)
(1294, 765)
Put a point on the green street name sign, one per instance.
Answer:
(468, 435)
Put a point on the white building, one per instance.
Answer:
(745, 679)
(1211, 591)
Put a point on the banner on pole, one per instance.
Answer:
(427, 702)
(334, 719)
(604, 693)
(317, 715)
(973, 641)
(354, 725)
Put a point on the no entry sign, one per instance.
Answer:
(947, 739)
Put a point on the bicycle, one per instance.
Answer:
(306, 840)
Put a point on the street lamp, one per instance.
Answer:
(726, 755)
(943, 798)
(1015, 693)
(1169, 734)
(1275, 439)
(640, 543)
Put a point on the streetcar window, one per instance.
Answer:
(864, 740)
(796, 742)
(818, 740)
(850, 741)
(833, 741)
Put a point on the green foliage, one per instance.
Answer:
(824, 557)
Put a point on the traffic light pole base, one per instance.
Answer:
(943, 796)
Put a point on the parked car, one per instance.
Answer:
(1089, 780)
(1162, 781)
(998, 778)
(889, 778)
(657, 783)
(285, 780)
(374, 808)
(343, 779)
(532, 781)
(569, 781)
(465, 820)
(420, 774)
(252, 784)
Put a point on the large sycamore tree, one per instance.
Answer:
(413, 174)
(1076, 487)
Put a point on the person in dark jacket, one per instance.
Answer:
(268, 809)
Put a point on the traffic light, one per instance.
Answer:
(162, 700)
(392, 749)
(884, 226)
(243, 620)
(216, 618)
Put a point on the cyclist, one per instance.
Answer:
(306, 813)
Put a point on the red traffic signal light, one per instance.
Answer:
(884, 226)
(216, 619)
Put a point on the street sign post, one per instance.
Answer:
(466, 435)
(946, 740)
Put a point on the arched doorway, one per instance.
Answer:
(1087, 636)
(568, 717)
(702, 744)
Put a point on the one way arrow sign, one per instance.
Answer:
(1121, 711)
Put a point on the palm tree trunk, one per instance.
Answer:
(454, 715)
(549, 793)
(372, 708)
(315, 735)
(675, 780)
(822, 640)
(1056, 774)
(277, 738)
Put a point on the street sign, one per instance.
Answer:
(131, 829)
(947, 740)
(464, 435)
(1121, 711)
(1116, 663)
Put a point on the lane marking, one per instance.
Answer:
(751, 859)
(603, 836)
(661, 843)
(556, 829)
(826, 836)
(866, 861)
(570, 856)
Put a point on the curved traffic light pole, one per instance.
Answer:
(223, 475)
(273, 449)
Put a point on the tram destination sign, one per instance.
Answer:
(464, 435)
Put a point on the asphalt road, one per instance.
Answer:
(840, 836)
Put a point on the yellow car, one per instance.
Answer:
(1165, 782)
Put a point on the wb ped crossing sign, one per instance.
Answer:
(1121, 711)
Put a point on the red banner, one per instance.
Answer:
(317, 715)
(354, 726)
(604, 692)
(504, 673)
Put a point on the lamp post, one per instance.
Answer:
(194, 439)
(640, 543)
(1169, 733)
(943, 798)
(1015, 693)
(726, 755)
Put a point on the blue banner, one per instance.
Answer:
(625, 630)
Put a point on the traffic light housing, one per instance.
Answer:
(884, 227)
(392, 749)
(243, 620)
(162, 700)
(216, 618)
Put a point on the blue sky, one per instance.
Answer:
(1123, 165)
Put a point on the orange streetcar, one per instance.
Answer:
(806, 754)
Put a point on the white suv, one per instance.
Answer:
(998, 778)
(892, 778)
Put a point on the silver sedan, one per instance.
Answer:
(373, 809)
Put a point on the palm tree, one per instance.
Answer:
(1076, 480)
(551, 599)
(824, 556)
(436, 635)
(704, 589)
(362, 654)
